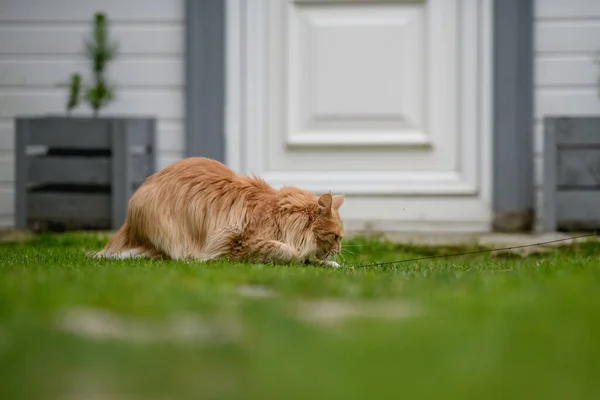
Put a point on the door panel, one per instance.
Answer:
(349, 82)
(354, 74)
(360, 97)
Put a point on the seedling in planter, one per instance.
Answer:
(100, 51)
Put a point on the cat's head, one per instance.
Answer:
(328, 228)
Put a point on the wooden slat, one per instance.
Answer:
(538, 138)
(7, 201)
(538, 163)
(55, 40)
(579, 168)
(72, 169)
(580, 131)
(141, 168)
(578, 209)
(566, 8)
(170, 136)
(167, 104)
(7, 137)
(572, 173)
(77, 10)
(549, 187)
(140, 131)
(564, 71)
(69, 170)
(121, 182)
(68, 206)
(155, 73)
(21, 140)
(82, 170)
(7, 167)
(571, 36)
(85, 133)
(567, 102)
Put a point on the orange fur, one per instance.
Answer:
(199, 209)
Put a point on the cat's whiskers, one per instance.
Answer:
(348, 251)
(332, 253)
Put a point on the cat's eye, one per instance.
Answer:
(336, 237)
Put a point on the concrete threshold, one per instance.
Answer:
(486, 239)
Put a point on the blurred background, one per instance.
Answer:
(429, 115)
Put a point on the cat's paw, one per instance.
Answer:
(331, 264)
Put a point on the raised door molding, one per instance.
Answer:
(269, 48)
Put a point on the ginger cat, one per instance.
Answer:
(199, 209)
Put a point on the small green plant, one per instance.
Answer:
(74, 92)
(100, 51)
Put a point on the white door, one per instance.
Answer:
(387, 102)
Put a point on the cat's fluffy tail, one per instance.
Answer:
(122, 246)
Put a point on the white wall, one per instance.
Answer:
(41, 45)
(567, 41)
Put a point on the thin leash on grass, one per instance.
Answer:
(478, 251)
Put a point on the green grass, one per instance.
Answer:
(474, 327)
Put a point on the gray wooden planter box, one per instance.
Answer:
(571, 173)
(78, 172)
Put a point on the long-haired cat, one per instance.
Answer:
(199, 209)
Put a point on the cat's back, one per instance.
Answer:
(205, 174)
(193, 170)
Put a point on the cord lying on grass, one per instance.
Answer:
(477, 251)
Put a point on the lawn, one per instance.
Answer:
(474, 327)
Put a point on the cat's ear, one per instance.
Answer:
(324, 203)
(338, 200)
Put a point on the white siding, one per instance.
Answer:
(566, 73)
(42, 44)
